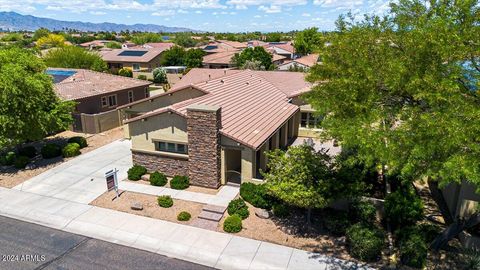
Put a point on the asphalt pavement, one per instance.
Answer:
(25, 245)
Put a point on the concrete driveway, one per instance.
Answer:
(82, 179)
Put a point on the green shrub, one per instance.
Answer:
(403, 207)
(179, 182)
(158, 179)
(142, 77)
(165, 201)
(125, 72)
(51, 150)
(337, 222)
(184, 216)
(232, 224)
(3, 160)
(10, 158)
(80, 140)
(472, 258)
(430, 231)
(28, 151)
(238, 207)
(71, 150)
(363, 211)
(256, 195)
(281, 210)
(21, 162)
(413, 251)
(365, 242)
(135, 173)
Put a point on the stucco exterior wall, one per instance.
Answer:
(165, 100)
(92, 105)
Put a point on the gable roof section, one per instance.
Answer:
(253, 107)
(86, 83)
(141, 55)
(219, 57)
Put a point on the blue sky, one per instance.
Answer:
(205, 15)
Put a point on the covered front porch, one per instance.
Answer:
(240, 163)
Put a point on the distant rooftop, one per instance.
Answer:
(143, 55)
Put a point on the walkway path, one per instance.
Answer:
(220, 250)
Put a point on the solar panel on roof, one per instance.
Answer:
(211, 47)
(132, 53)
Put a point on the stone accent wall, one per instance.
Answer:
(170, 166)
(203, 125)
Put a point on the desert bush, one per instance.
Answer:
(232, 224)
(51, 150)
(135, 173)
(413, 251)
(179, 182)
(71, 150)
(142, 77)
(364, 242)
(125, 72)
(28, 151)
(158, 179)
(165, 201)
(21, 162)
(9, 158)
(184, 216)
(238, 207)
(363, 211)
(80, 140)
(281, 210)
(403, 207)
(256, 195)
(337, 222)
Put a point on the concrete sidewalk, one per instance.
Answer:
(222, 198)
(220, 250)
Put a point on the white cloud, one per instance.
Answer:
(262, 4)
(306, 14)
(198, 12)
(270, 9)
(164, 13)
(97, 13)
(257, 16)
(340, 4)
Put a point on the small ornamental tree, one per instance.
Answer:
(125, 72)
(74, 57)
(160, 76)
(301, 176)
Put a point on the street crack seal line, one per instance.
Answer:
(68, 251)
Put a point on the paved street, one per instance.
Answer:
(54, 249)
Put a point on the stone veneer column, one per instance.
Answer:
(204, 151)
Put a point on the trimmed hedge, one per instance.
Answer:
(184, 216)
(51, 150)
(135, 173)
(256, 195)
(363, 211)
(158, 179)
(281, 210)
(165, 201)
(28, 151)
(71, 150)
(403, 207)
(21, 162)
(179, 182)
(365, 242)
(239, 208)
(80, 140)
(232, 224)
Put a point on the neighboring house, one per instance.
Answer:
(97, 95)
(282, 48)
(223, 46)
(158, 45)
(136, 59)
(304, 63)
(219, 60)
(215, 125)
(128, 45)
(94, 44)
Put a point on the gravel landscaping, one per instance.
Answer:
(150, 206)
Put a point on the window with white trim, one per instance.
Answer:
(130, 96)
(104, 102)
(171, 147)
(309, 120)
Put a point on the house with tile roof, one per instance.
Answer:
(301, 63)
(137, 59)
(97, 96)
(215, 125)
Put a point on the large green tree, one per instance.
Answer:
(301, 177)
(403, 90)
(29, 109)
(173, 56)
(254, 54)
(193, 58)
(307, 41)
(74, 57)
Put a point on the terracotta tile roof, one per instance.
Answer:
(87, 83)
(98, 43)
(198, 75)
(253, 106)
(219, 57)
(307, 60)
(277, 57)
(234, 44)
(284, 46)
(147, 56)
(159, 45)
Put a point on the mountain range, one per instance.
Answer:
(16, 22)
